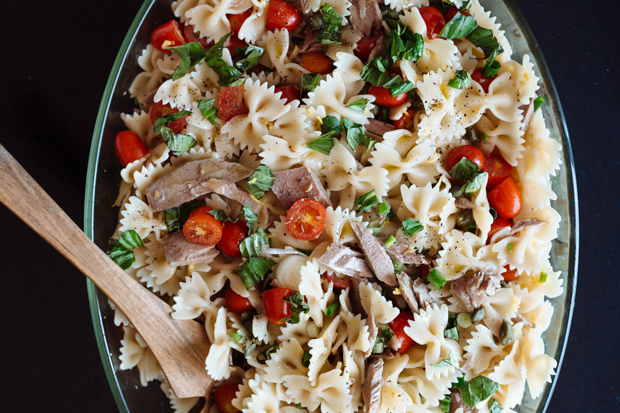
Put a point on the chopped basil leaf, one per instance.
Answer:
(473, 186)
(332, 26)
(451, 333)
(305, 360)
(252, 245)
(166, 120)
(249, 57)
(307, 252)
(228, 75)
(460, 381)
(260, 181)
(331, 125)
(411, 226)
(332, 308)
(538, 102)
(235, 336)
(250, 216)
(510, 247)
(443, 363)
(173, 218)
(310, 81)
(383, 208)
(254, 271)
(190, 54)
(444, 404)
(461, 80)
(366, 201)
(358, 105)
(356, 135)
(401, 87)
(121, 251)
(460, 26)
(390, 241)
(494, 406)
(207, 109)
(387, 332)
(379, 346)
(323, 144)
(435, 278)
(398, 266)
(375, 72)
(402, 43)
(178, 144)
(130, 240)
(299, 406)
(298, 305)
(219, 214)
(477, 389)
(492, 66)
(467, 171)
(266, 354)
(484, 39)
(543, 277)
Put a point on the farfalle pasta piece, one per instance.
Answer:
(505, 136)
(544, 151)
(338, 225)
(484, 19)
(400, 5)
(331, 392)
(481, 350)
(349, 67)
(510, 374)
(311, 288)
(417, 164)
(255, 26)
(524, 77)
(463, 251)
(210, 19)
(138, 122)
(194, 299)
(279, 154)
(157, 274)
(135, 353)
(320, 349)
(179, 405)
(276, 45)
(147, 81)
(340, 6)
(499, 307)
(217, 362)
(182, 93)
(375, 303)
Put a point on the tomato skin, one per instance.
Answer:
(316, 63)
(159, 109)
(434, 21)
(275, 306)
(191, 37)
(505, 198)
(497, 168)
(231, 102)
(466, 151)
(237, 20)
(282, 15)
(365, 46)
(451, 12)
(290, 93)
(224, 395)
(398, 327)
(405, 121)
(236, 303)
(340, 283)
(129, 147)
(498, 224)
(306, 219)
(510, 275)
(483, 81)
(233, 42)
(232, 234)
(169, 33)
(202, 228)
(384, 98)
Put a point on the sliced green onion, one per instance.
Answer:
(390, 241)
(510, 247)
(383, 208)
(435, 278)
(312, 329)
(543, 277)
(463, 320)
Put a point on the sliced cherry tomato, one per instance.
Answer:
(306, 219)
(510, 275)
(129, 147)
(159, 109)
(234, 42)
(202, 228)
(236, 303)
(282, 15)
(338, 282)
(405, 121)
(275, 307)
(237, 20)
(497, 168)
(398, 327)
(290, 93)
(384, 98)
(466, 151)
(232, 234)
(484, 81)
(224, 396)
(498, 224)
(191, 36)
(167, 35)
(316, 63)
(365, 45)
(451, 12)
(506, 198)
(434, 21)
(231, 102)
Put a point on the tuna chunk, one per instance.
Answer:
(399, 251)
(345, 261)
(371, 391)
(473, 289)
(295, 184)
(375, 254)
(179, 251)
(372, 333)
(463, 202)
(532, 222)
(375, 129)
(365, 16)
(185, 183)
(231, 191)
(405, 284)
(422, 293)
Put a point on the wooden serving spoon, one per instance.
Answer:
(180, 346)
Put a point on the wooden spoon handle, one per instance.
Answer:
(150, 315)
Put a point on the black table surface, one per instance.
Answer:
(57, 58)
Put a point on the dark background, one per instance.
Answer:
(56, 60)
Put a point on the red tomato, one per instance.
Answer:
(159, 109)
(275, 306)
(338, 282)
(232, 234)
(451, 12)
(191, 37)
(510, 275)
(282, 15)
(384, 98)
(231, 102)
(202, 228)
(405, 121)
(466, 151)
(290, 93)
(129, 147)
(224, 396)
(316, 63)
(506, 199)
(306, 219)
(233, 43)
(484, 82)
(365, 45)
(398, 327)
(256, 69)
(498, 224)
(497, 168)
(434, 21)
(167, 35)
(237, 20)
(236, 303)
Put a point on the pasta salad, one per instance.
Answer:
(354, 197)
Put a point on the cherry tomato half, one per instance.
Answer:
(191, 36)
(275, 307)
(466, 151)
(231, 102)
(498, 224)
(451, 12)
(510, 275)
(237, 20)
(434, 21)
(384, 98)
(506, 198)
(159, 109)
(224, 396)
(202, 228)
(484, 81)
(232, 234)
(338, 282)
(497, 168)
(365, 45)
(316, 63)
(290, 93)
(236, 303)
(282, 15)
(306, 219)
(129, 147)
(398, 327)
(167, 35)
(405, 121)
